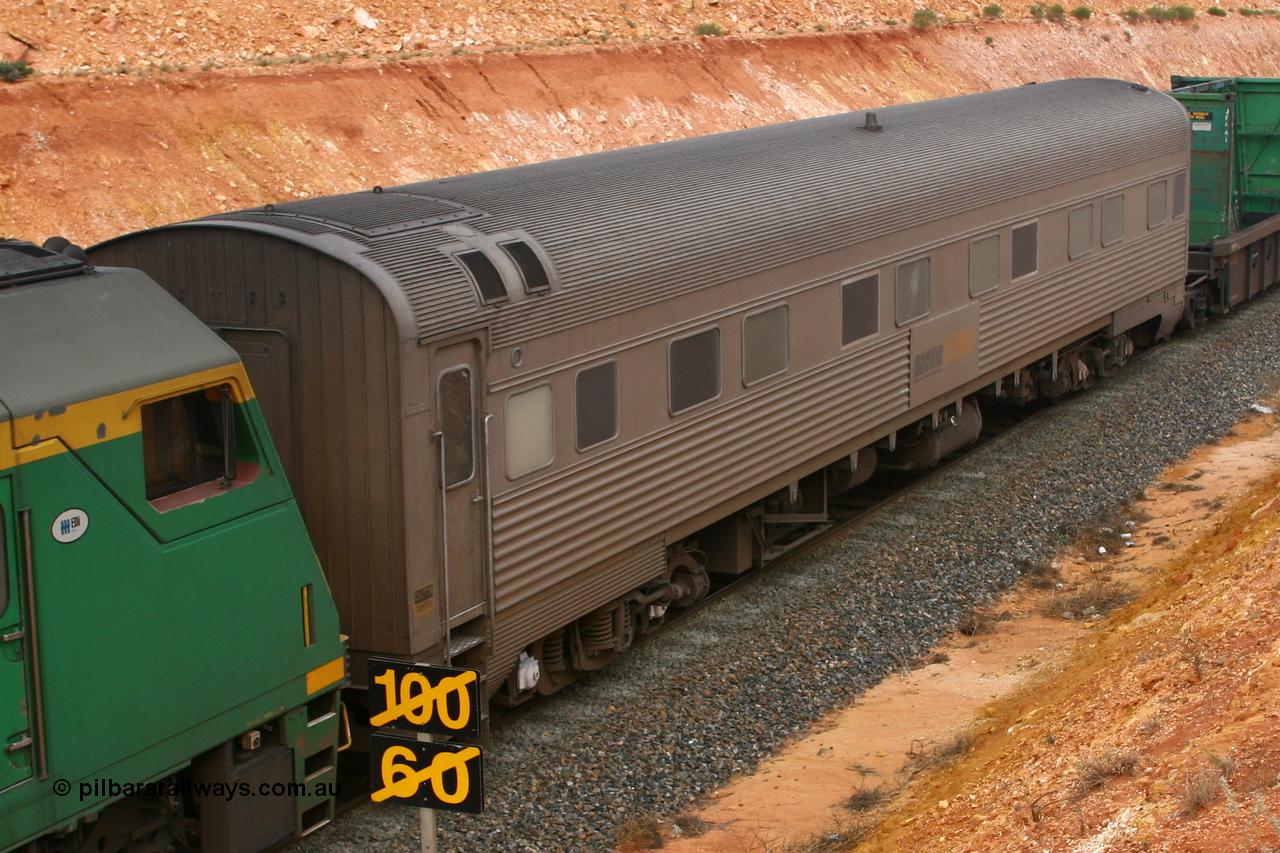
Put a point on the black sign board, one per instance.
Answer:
(443, 776)
(442, 701)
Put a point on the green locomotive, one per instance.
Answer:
(170, 656)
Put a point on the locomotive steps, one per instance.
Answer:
(91, 157)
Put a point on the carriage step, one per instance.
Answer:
(463, 643)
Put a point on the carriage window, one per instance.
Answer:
(1112, 219)
(1156, 203)
(456, 427)
(1026, 249)
(764, 344)
(486, 276)
(187, 441)
(595, 396)
(984, 264)
(912, 297)
(1080, 232)
(531, 268)
(859, 309)
(693, 370)
(530, 431)
(1179, 195)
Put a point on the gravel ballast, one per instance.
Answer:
(713, 695)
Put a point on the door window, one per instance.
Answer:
(456, 426)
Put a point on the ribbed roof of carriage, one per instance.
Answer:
(638, 225)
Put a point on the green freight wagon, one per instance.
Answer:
(1234, 230)
(169, 651)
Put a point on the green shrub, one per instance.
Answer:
(1082, 13)
(1133, 16)
(891, 22)
(990, 40)
(1037, 11)
(1249, 13)
(1159, 13)
(12, 72)
(1056, 13)
(708, 28)
(1182, 13)
(924, 18)
(992, 11)
(1217, 11)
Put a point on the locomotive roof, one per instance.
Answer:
(69, 339)
(626, 228)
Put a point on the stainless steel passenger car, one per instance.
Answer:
(527, 411)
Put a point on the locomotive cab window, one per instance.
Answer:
(595, 400)
(1026, 249)
(859, 309)
(1179, 195)
(457, 429)
(530, 431)
(764, 344)
(911, 291)
(984, 264)
(532, 272)
(1112, 220)
(1080, 232)
(1157, 203)
(484, 274)
(194, 446)
(693, 370)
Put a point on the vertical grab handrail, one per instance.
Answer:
(488, 529)
(33, 643)
(444, 552)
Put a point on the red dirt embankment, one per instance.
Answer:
(92, 158)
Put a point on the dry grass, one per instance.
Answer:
(1100, 596)
(866, 799)
(1092, 772)
(1043, 576)
(690, 825)
(1200, 790)
(640, 832)
(840, 837)
(1152, 724)
(980, 620)
(942, 754)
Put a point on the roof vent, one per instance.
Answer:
(530, 266)
(869, 123)
(374, 214)
(22, 262)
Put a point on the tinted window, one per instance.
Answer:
(912, 291)
(531, 268)
(1156, 203)
(859, 309)
(764, 344)
(182, 444)
(1026, 249)
(984, 264)
(484, 274)
(1179, 194)
(1112, 219)
(694, 370)
(456, 427)
(530, 431)
(1080, 231)
(595, 397)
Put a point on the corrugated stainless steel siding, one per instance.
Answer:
(518, 626)
(638, 226)
(644, 487)
(345, 405)
(1027, 315)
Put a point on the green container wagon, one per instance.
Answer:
(1233, 229)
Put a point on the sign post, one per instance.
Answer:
(440, 767)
